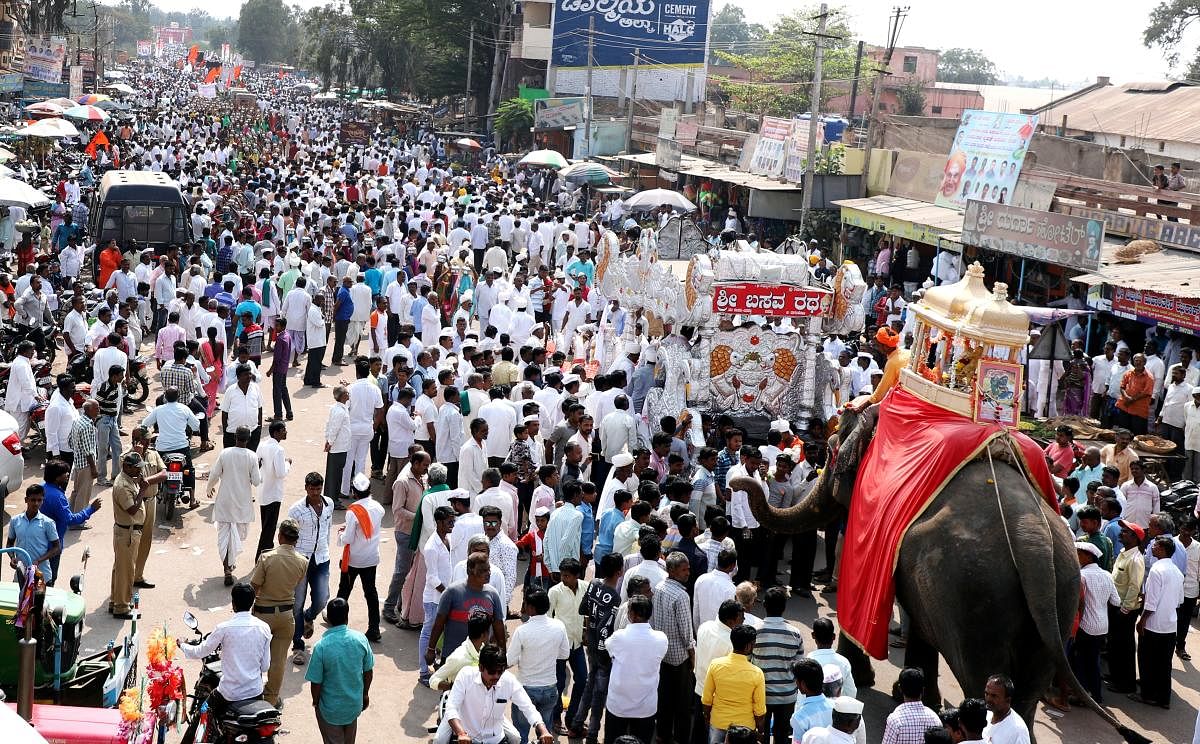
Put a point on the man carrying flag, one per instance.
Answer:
(359, 537)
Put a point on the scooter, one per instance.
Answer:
(242, 721)
(172, 489)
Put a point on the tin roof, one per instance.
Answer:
(1164, 111)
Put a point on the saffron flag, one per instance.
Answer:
(237, 72)
(98, 141)
(212, 75)
(193, 53)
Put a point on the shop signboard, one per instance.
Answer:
(1050, 237)
(985, 158)
(892, 226)
(355, 133)
(44, 57)
(556, 113)
(771, 150)
(39, 89)
(671, 34)
(770, 298)
(1173, 234)
(1156, 307)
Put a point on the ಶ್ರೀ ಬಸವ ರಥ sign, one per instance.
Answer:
(774, 300)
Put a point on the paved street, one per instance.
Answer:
(188, 577)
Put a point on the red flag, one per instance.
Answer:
(281, 73)
(212, 75)
(237, 72)
(193, 53)
(100, 140)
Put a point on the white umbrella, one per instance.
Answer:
(654, 198)
(51, 128)
(122, 88)
(16, 730)
(545, 158)
(6, 154)
(45, 107)
(21, 194)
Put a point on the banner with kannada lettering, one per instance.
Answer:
(44, 58)
(1156, 307)
(771, 299)
(985, 159)
(665, 33)
(1043, 236)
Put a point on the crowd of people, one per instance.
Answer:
(556, 547)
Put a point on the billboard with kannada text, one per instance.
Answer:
(665, 33)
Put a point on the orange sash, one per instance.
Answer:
(364, 523)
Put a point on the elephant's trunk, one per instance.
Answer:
(814, 511)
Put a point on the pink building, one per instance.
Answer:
(907, 63)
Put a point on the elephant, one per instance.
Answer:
(991, 595)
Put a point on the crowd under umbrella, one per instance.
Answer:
(644, 201)
(466, 143)
(14, 193)
(86, 113)
(49, 129)
(544, 159)
(123, 88)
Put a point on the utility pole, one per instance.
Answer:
(591, 45)
(814, 120)
(637, 58)
(894, 24)
(854, 82)
(470, 65)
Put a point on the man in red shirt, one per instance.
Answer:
(1133, 406)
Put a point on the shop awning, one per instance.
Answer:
(904, 218)
(1173, 273)
(701, 168)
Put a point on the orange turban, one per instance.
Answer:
(885, 336)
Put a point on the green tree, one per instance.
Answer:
(514, 119)
(966, 66)
(782, 65)
(912, 96)
(1168, 23)
(731, 33)
(267, 31)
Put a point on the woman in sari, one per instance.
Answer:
(1075, 384)
(212, 355)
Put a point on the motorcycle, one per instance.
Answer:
(172, 491)
(242, 721)
(137, 383)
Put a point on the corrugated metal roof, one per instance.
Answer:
(702, 168)
(911, 210)
(1167, 112)
(1170, 272)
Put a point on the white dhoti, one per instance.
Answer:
(299, 344)
(230, 538)
(22, 418)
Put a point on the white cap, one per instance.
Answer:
(1088, 547)
(833, 673)
(530, 418)
(781, 425)
(621, 459)
(651, 355)
(464, 297)
(446, 333)
(458, 493)
(573, 378)
(361, 482)
(845, 704)
(541, 511)
(633, 347)
(293, 260)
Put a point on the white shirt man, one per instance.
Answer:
(60, 417)
(472, 461)
(275, 466)
(477, 707)
(710, 591)
(245, 643)
(75, 327)
(449, 433)
(241, 408)
(501, 420)
(618, 433)
(105, 358)
(365, 400)
(401, 430)
(637, 650)
(502, 501)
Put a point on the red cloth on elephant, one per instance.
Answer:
(916, 450)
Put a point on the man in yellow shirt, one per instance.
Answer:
(888, 342)
(735, 691)
(1129, 570)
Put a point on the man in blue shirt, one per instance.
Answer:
(622, 500)
(34, 533)
(812, 709)
(373, 277)
(343, 310)
(58, 507)
(340, 673)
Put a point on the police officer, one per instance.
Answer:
(152, 466)
(275, 578)
(129, 514)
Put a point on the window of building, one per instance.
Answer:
(935, 109)
(910, 63)
(1162, 146)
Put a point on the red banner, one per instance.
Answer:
(774, 300)
(1176, 311)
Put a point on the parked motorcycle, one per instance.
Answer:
(137, 382)
(241, 722)
(172, 491)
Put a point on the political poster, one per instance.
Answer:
(556, 113)
(44, 57)
(206, 90)
(145, 48)
(672, 34)
(771, 150)
(75, 75)
(985, 159)
(797, 149)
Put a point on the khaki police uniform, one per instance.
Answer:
(152, 463)
(127, 536)
(275, 578)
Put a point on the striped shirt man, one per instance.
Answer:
(778, 645)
